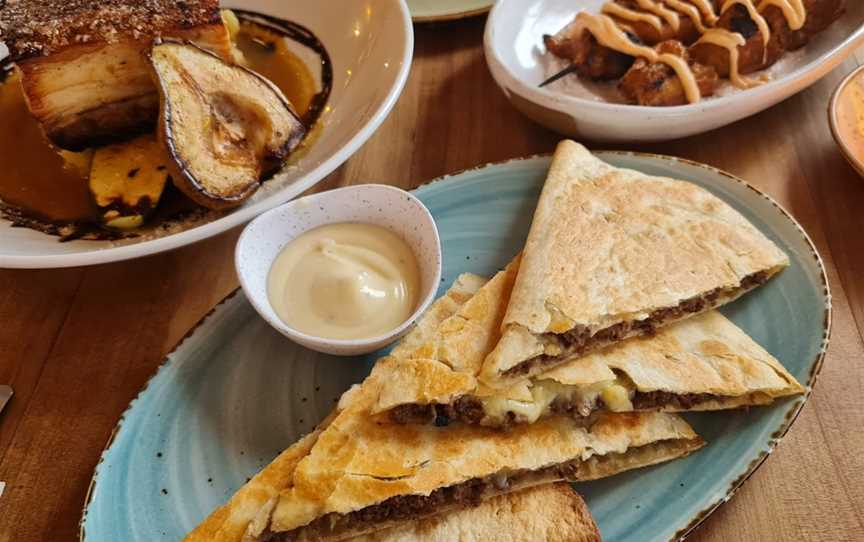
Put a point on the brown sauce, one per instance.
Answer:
(42, 187)
(33, 175)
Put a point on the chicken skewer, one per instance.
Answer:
(745, 37)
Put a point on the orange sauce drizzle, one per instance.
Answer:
(652, 6)
(607, 33)
(691, 11)
(757, 18)
(793, 10)
(729, 41)
(620, 11)
(707, 9)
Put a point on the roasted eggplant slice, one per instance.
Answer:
(127, 180)
(225, 127)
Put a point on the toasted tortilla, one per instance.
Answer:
(548, 513)
(363, 475)
(701, 363)
(611, 246)
(355, 466)
(255, 500)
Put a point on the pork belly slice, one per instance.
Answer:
(83, 70)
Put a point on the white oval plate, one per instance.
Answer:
(370, 43)
(514, 51)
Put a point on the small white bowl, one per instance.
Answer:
(392, 208)
(514, 50)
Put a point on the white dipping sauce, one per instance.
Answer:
(345, 281)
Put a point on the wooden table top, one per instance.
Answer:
(78, 344)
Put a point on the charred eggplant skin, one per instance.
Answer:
(182, 173)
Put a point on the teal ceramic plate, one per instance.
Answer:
(235, 392)
(446, 10)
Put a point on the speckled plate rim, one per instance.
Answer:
(790, 416)
(856, 163)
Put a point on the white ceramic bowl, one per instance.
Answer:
(370, 44)
(386, 206)
(514, 47)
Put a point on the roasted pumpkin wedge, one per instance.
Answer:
(225, 126)
(127, 181)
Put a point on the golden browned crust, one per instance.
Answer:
(547, 513)
(610, 245)
(254, 501)
(358, 462)
(32, 28)
(706, 354)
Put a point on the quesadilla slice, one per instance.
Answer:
(702, 363)
(257, 497)
(363, 475)
(547, 513)
(613, 253)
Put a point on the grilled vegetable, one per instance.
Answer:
(127, 180)
(225, 127)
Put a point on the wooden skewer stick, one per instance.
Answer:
(566, 71)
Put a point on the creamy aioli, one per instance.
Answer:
(757, 18)
(793, 10)
(689, 10)
(632, 15)
(661, 11)
(730, 41)
(345, 281)
(707, 10)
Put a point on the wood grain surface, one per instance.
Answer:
(78, 344)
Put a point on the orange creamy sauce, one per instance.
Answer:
(850, 117)
(52, 185)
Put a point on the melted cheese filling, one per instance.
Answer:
(616, 395)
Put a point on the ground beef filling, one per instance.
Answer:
(466, 409)
(579, 340)
(466, 494)
(682, 401)
(472, 411)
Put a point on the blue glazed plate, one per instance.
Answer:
(235, 392)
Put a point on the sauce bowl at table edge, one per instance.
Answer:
(856, 162)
